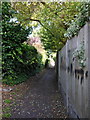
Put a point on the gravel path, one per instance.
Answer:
(42, 99)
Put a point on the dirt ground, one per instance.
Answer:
(38, 97)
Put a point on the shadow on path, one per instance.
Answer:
(42, 100)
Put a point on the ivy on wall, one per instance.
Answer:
(79, 54)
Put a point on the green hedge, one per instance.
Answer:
(26, 63)
(19, 60)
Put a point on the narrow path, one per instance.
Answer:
(42, 100)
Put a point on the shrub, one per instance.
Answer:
(19, 60)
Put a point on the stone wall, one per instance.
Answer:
(74, 73)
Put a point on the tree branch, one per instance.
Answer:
(44, 27)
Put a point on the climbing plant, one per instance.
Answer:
(79, 54)
(79, 21)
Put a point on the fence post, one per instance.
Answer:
(56, 65)
(67, 76)
(88, 69)
(59, 62)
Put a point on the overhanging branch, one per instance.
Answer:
(44, 27)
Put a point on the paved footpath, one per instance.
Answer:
(42, 100)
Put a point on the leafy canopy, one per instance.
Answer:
(54, 17)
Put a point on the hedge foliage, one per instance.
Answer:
(19, 60)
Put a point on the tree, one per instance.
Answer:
(79, 21)
(54, 17)
(33, 40)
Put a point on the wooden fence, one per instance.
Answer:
(74, 73)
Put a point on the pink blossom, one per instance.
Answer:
(34, 40)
